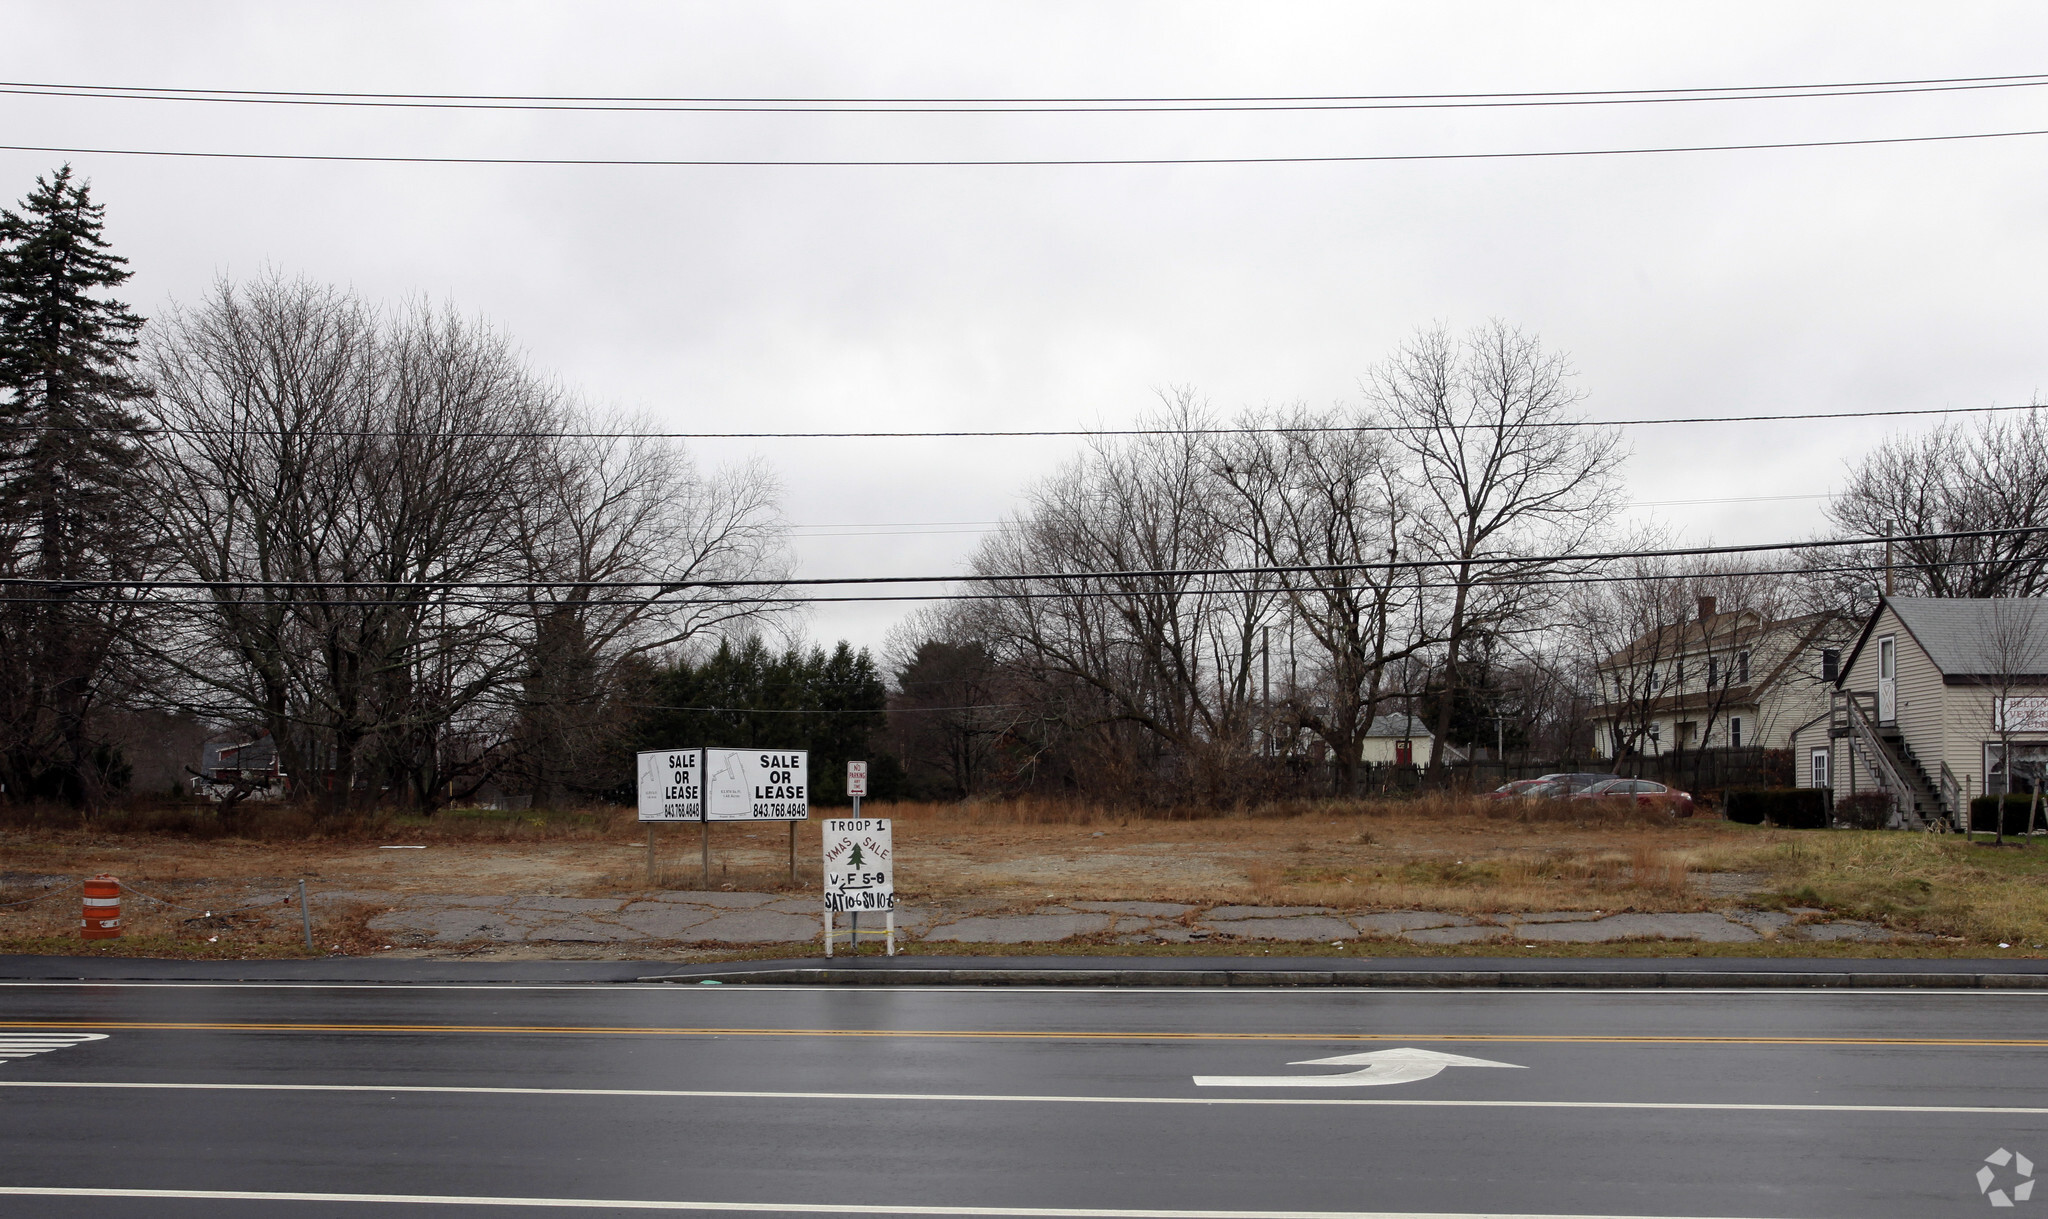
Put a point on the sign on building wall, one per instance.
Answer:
(671, 785)
(860, 866)
(757, 784)
(2024, 714)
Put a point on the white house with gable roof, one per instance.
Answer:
(1926, 701)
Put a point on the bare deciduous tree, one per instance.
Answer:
(1502, 467)
(1312, 493)
(613, 508)
(384, 510)
(1957, 478)
(1169, 655)
(2011, 642)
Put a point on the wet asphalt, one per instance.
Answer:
(1782, 1103)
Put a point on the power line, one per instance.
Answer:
(1019, 105)
(1016, 434)
(662, 587)
(1011, 162)
(896, 529)
(1011, 594)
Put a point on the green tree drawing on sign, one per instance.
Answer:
(854, 860)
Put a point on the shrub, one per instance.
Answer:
(1865, 810)
(2017, 807)
(1792, 808)
(1744, 804)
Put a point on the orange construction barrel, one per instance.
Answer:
(102, 919)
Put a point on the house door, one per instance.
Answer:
(1887, 680)
(1404, 753)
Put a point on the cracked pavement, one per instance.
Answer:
(695, 917)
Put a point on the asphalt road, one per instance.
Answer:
(317, 1100)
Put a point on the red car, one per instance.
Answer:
(1644, 792)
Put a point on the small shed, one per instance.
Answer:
(1401, 739)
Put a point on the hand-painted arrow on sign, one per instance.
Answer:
(1398, 1066)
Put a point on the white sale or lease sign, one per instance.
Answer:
(860, 865)
(672, 785)
(757, 784)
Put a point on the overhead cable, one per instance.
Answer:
(1390, 564)
(1008, 162)
(767, 602)
(1015, 105)
(1013, 434)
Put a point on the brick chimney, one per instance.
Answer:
(1706, 608)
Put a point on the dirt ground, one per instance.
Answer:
(229, 894)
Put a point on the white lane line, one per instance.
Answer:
(797, 1208)
(1021, 1099)
(25, 1045)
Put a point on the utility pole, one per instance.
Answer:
(1889, 530)
(1266, 690)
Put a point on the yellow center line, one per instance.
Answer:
(1006, 1034)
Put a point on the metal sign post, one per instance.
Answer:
(860, 874)
(671, 783)
(856, 787)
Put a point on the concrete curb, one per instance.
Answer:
(894, 975)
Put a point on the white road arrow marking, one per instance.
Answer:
(1400, 1066)
(22, 1045)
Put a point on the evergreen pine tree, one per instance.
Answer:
(70, 456)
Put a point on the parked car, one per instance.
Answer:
(1545, 787)
(1573, 783)
(1643, 792)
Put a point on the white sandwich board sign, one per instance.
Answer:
(860, 865)
(672, 785)
(757, 784)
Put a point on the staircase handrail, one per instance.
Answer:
(1951, 794)
(1864, 739)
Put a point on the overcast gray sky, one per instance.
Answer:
(1856, 279)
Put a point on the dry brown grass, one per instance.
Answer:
(264, 821)
(1434, 853)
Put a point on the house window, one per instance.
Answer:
(1735, 731)
(1688, 733)
(1818, 768)
(1652, 681)
(1713, 671)
(1742, 668)
(2029, 767)
(1830, 664)
(1678, 675)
